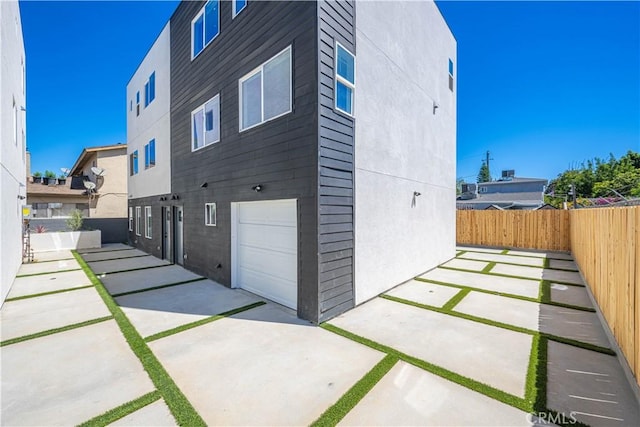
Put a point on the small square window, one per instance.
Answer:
(238, 6)
(210, 214)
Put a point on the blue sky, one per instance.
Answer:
(541, 85)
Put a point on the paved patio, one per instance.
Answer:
(488, 338)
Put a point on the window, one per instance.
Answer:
(150, 89)
(210, 214)
(130, 218)
(205, 121)
(266, 92)
(131, 105)
(133, 163)
(148, 223)
(150, 154)
(345, 79)
(450, 75)
(483, 189)
(138, 211)
(138, 103)
(205, 27)
(238, 5)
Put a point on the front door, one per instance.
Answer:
(178, 221)
(167, 253)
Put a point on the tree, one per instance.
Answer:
(459, 183)
(483, 175)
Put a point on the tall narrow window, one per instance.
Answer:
(133, 163)
(238, 6)
(148, 223)
(130, 218)
(150, 89)
(205, 27)
(210, 214)
(150, 154)
(138, 103)
(450, 75)
(345, 79)
(138, 221)
(266, 92)
(205, 122)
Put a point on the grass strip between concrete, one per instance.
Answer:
(155, 288)
(545, 263)
(180, 407)
(520, 329)
(122, 411)
(47, 272)
(201, 322)
(456, 299)
(41, 294)
(504, 252)
(354, 395)
(509, 276)
(121, 257)
(131, 269)
(488, 267)
(35, 260)
(469, 383)
(54, 331)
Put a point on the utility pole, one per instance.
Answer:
(488, 168)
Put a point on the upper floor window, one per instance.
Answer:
(450, 75)
(345, 79)
(266, 92)
(150, 154)
(150, 89)
(205, 27)
(238, 5)
(133, 163)
(205, 124)
(138, 103)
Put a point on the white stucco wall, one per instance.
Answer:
(401, 146)
(12, 153)
(152, 123)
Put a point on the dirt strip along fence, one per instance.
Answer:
(605, 243)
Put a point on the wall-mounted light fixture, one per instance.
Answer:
(416, 194)
(204, 184)
(435, 107)
(163, 198)
(21, 197)
(175, 197)
(257, 188)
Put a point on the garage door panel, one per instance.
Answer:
(259, 259)
(281, 239)
(266, 253)
(272, 212)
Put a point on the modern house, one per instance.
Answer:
(13, 171)
(96, 185)
(509, 192)
(303, 151)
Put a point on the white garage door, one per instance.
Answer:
(266, 248)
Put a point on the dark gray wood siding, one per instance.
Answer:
(336, 22)
(281, 155)
(151, 246)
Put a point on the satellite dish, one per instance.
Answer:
(65, 171)
(89, 185)
(98, 171)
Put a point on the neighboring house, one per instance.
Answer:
(268, 153)
(106, 167)
(13, 136)
(507, 193)
(106, 199)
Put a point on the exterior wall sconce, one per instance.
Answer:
(175, 197)
(435, 107)
(204, 184)
(163, 198)
(257, 188)
(416, 194)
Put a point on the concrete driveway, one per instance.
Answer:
(492, 337)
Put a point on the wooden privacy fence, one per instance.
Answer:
(605, 243)
(544, 229)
